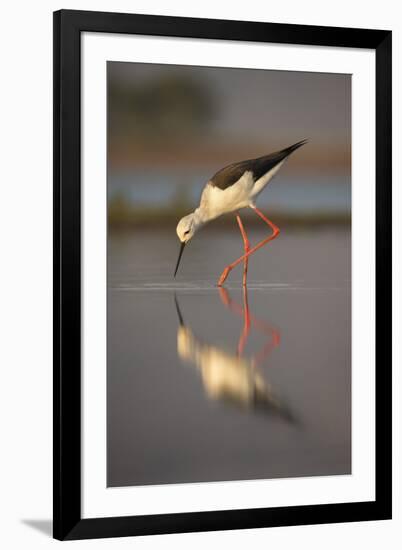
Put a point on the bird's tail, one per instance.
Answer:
(292, 148)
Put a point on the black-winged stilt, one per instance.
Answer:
(235, 187)
(234, 377)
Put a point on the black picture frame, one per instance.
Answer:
(68, 26)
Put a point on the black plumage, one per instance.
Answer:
(230, 174)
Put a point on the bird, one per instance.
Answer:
(233, 378)
(231, 189)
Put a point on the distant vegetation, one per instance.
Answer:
(162, 108)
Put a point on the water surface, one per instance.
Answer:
(209, 385)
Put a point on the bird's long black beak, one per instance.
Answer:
(179, 258)
(179, 315)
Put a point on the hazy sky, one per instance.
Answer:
(259, 103)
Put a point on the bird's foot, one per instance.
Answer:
(223, 293)
(224, 275)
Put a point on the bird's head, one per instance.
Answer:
(185, 230)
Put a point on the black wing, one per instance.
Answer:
(229, 175)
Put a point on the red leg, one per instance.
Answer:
(225, 298)
(275, 233)
(268, 348)
(269, 330)
(243, 311)
(246, 248)
(259, 325)
(246, 326)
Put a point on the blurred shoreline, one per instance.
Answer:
(144, 199)
(124, 216)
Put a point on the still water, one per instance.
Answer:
(212, 385)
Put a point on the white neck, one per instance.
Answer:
(200, 217)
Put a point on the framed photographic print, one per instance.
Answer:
(222, 274)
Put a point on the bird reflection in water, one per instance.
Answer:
(234, 377)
